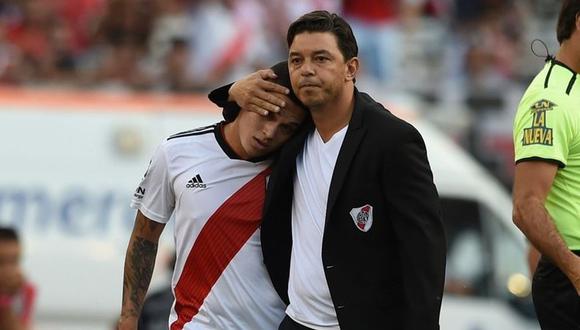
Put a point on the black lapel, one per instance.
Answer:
(285, 166)
(352, 140)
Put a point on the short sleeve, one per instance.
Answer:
(154, 196)
(542, 130)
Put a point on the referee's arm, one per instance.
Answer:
(532, 183)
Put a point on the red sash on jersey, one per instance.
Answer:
(220, 239)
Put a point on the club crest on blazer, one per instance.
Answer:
(362, 217)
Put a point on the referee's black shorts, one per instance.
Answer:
(556, 301)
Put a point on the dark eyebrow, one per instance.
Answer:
(294, 124)
(316, 52)
(322, 52)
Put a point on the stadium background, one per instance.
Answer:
(467, 60)
(463, 64)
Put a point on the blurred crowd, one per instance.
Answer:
(172, 45)
(193, 45)
(451, 54)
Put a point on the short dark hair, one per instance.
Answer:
(8, 234)
(283, 78)
(231, 111)
(567, 19)
(323, 21)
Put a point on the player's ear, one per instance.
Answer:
(352, 66)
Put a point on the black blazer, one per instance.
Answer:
(392, 276)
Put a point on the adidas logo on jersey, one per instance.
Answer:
(196, 182)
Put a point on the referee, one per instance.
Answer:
(547, 176)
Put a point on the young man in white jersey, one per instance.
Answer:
(213, 181)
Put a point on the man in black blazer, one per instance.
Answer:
(351, 235)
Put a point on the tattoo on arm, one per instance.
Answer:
(138, 270)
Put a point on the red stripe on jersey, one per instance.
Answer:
(220, 239)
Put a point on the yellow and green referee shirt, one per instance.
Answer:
(547, 128)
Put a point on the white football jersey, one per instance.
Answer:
(219, 281)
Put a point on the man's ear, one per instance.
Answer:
(352, 66)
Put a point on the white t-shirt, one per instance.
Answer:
(310, 301)
(219, 281)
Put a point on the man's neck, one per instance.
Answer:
(332, 117)
(568, 54)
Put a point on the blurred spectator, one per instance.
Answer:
(175, 74)
(9, 58)
(124, 31)
(81, 17)
(483, 75)
(16, 295)
(226, 40)
(31, 35)
(169, 43)
(377, 26)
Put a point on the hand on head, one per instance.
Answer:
(257, 93)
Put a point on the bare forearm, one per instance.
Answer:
(139, 263)
(534, 221)
(533, 259)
